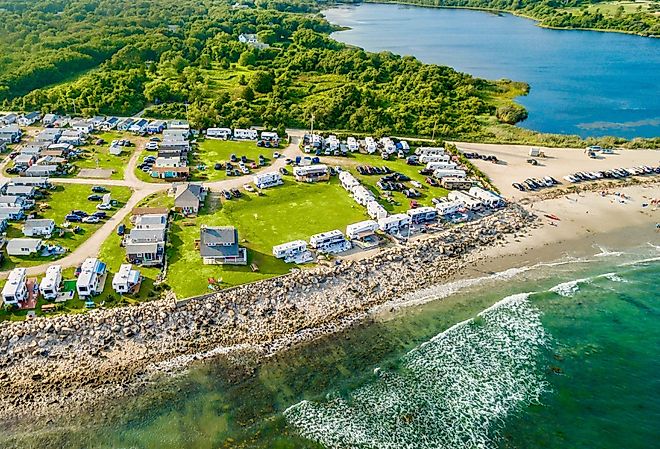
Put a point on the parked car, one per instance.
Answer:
(95, 198)
(91, 219)
(121, 229)
(276, 155)
(248, 187)
(226, 194)
(233, 158)
(73, 218)
(103, 206)
(99, 214)
(218, 166)
(284, 171)
(99, 189)
(236, 193)
(80, 213)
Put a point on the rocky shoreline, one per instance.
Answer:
(58, 366)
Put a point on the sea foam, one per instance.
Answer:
(453, 391)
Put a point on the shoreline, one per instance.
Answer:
(60, 369)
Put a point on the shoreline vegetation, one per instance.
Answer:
(573, 15)
(62, 367)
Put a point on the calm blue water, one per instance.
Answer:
(582, 82)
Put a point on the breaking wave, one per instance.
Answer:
(569, 288)
(453, 391)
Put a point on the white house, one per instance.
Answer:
(362, 229)
(71, 136)
(13, 201)
(39, 228)
(10, 134)
(9, 119)
(218, 133)
(15, 290)
(451, 173)
(33, 182)
(394, 223)
(422, 214)
(330, 242)
(29, 119)
(449, 207)
(269, 179)
(245, 134)
(155, 127)
(246, 38)
(139, 126)
(470, 202)
(154, 222)
(23, 247)
(92, 277)
(83, 126)
(376, 210)
(126, 280)
(12, 213)
(487, 197)
(429, 151)
(50, 284)
(22, 191)
(295, 251)
(169, 162)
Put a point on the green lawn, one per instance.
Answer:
(60, 202)
(212, 151)
(99, 157)
(399, 203)
(289, 212)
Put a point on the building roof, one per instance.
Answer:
(16, 245)
(188, 194)
(146, 235)
(38, 223)
(219, 241)
(149, 210)
(143, 247)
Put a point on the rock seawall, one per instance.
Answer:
(60, 364)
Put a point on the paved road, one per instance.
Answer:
(92, 246)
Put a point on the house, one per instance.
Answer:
(10, 134)
(3, 147)
(219, 245)
(12, 213)
(13, 201)
(49, 135)
(248, 38)
(175, 132)
(49, 119)
(245, 134)
(330, 242)
(353, 145)
(29, 119)
(218, 133)
(429, 151)
(375, 210)
(451, 172)
(124, 124)
(32, 150)
(32, 182)
(15, 290)
(109, 124)
(9, 119)
(169, 162)
(51, 283)
(139, 211)
(312, 173)
(22, 191)
(72, 136)
(23, 247)
(268, 179)
(97, 121)
(470, 202)
(170, 173)
(451, 183)
(63, 148)
(91, 279)
(188, 197)
(362, 229)
(156, 127)
(115, 149)
(487, 197)
(24, 160)
(449, 207)
(293, 252)
(421, 215)
(51, 160)
(139, 126)
(62, 122)
(179, 124)
(394, 224)
(146, 246)
(41, 170)
(83, 127)
(126, 280)
(39, 228)
(151, 221)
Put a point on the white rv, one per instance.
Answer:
(295, 251)
(269, 179)
(370, 145)
(429, 151)
(362, 229)
(15, 289)
(330, 242)
(394, 223)
(348, 181)
(352, 144)
(449, 207)
(449, 173)
(470, 202)
(245, 134)
(126, 279)
(440, 166)
(50, 284)
(375, 210)
(426, 158)
(92, 273)
(487, 197)
(422, 214)
(218, 133)
(362, 195)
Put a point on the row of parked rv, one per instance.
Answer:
(612, 174)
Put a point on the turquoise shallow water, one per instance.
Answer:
(552, 356)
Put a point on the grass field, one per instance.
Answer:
(610, 8)
(60, 202)
(97, 156)
(212, 151)
(289, 212)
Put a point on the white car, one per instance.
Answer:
(276, 155)
(103, 206)
(248, 187)
(245, 170)
(416, 184)
(91, 219)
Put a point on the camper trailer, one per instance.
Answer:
(422, 215)
(295, 251)
(429, 151)
(15, 290)
(441, 166)
(126, 280)
(375, 210)
(394, 223)
(51, 283)
(448, 172)
(330, 242)
(218, 133)
(449, 207)
(470, 202)
(487, 197)
(426, 158)
(361, 230)
(90, 280)
(245, 134)
(269, 179)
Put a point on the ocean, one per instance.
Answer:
(555, 355)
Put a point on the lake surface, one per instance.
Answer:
(582, 82)
(559, 355)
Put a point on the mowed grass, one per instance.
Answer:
(289, 212)
(398, 203)
(98, 156)
(211, 151)
(610, 8)
(56, 206)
